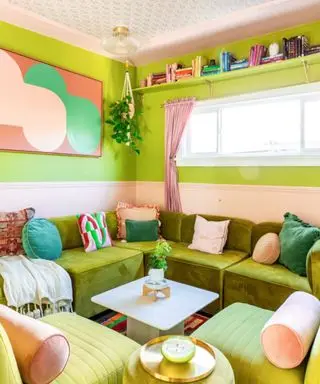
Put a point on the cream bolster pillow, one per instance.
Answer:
(41, 350)
(289, 333)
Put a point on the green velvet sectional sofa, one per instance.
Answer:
(233, 274)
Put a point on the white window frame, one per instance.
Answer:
(304, 158)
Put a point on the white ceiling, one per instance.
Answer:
(147, 18)
(168, 27)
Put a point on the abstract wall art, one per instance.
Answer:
(47, 109)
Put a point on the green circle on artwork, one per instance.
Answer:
(83, 129)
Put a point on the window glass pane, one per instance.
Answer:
(312, 124)
(261, 127)
(203, 132)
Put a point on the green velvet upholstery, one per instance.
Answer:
(98, 354)
(69, 231)
(96, 272)
(9, 372)
(313, 268)
(201, 269)
(266, 286)
(112, 224)
(239, 231)
(236, 332)
(171, 225)
(261, 229)
(142, 246)
(313, 367)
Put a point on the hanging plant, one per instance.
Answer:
(123, 119)
(124, 123)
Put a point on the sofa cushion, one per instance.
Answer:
(96, 272)
(112, 223)
(142, 246)
(181, 252)
(312, 373)
(98, 354)
(261, 229)
(239, 231)
(171, 223)
(9, 372)
(69, 231)
(201, 269)
(266, 286)
(236, 332)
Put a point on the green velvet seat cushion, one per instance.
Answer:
(96, 272)
(236, 332)
(98, 354)
(239, 231)
(181, 252)
(171, 223)
(266, 286)
(146, 230)
(296, 240)
(41, 239)
(200, 269)
(142, 246)
(9, 372)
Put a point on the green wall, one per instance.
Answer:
(117, 163)
(150, 164)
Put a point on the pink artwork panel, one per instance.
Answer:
(48, 109)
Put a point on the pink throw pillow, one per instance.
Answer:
(267, 249)
(134, 212)
(287, 337)
(209, 236)
(41, 350)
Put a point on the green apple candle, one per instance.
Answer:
(178, 349)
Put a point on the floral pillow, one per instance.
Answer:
(94, 231)
(11, 225)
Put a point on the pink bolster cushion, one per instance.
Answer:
(288, 335)
(41, 350)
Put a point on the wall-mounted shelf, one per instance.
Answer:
(302, 62)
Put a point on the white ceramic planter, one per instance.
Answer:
(156, 275)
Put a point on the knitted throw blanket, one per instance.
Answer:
(35, 287)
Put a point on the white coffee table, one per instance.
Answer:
(147, 318)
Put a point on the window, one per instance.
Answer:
(277, 127)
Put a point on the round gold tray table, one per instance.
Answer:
(135, 373)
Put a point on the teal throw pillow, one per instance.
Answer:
(41, 240)
(142, 230)
(296, 239)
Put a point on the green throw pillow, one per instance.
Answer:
(41, 240)
(296, 239)
(142, 230)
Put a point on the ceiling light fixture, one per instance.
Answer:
(121, 43)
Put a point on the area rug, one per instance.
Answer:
(118, 322)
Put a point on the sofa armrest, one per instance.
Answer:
(313, 268)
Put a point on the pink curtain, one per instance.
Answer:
(177, 114)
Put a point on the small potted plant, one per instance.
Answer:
(158, 262)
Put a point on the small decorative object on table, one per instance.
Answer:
(158, 264)
(178, 349)
(198, 357)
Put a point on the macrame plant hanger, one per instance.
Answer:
(127, 91)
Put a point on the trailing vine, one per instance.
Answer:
(125, 123)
